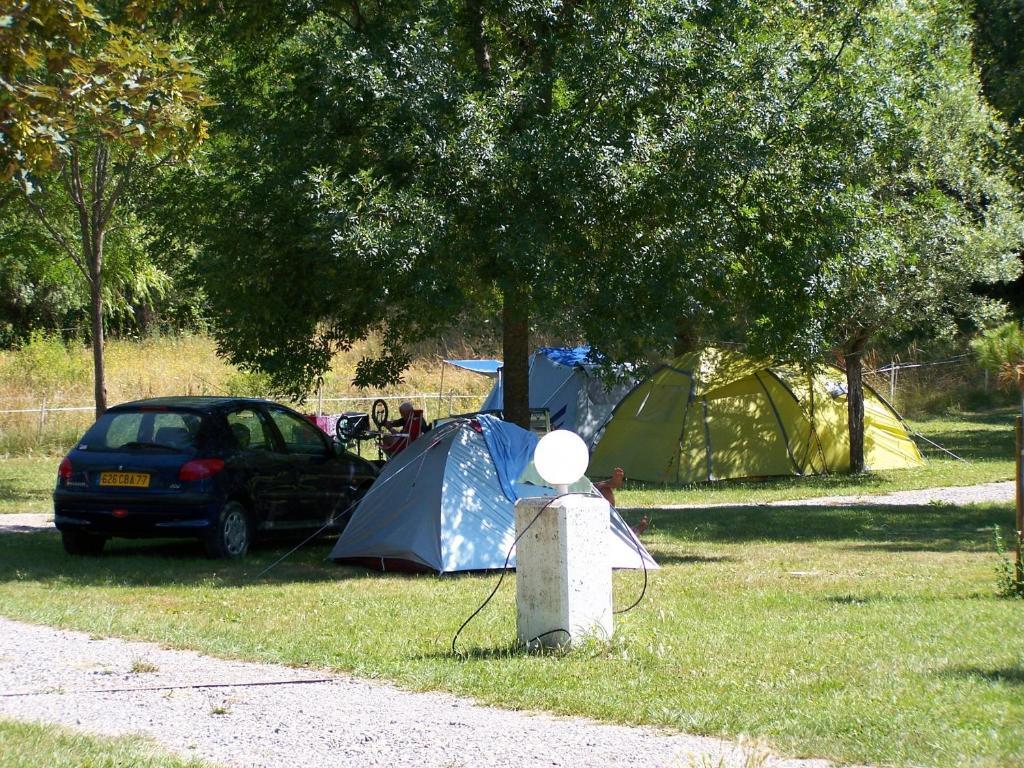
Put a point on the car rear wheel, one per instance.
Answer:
(82, 543)
(231, 534)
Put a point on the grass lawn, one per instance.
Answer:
(867, 634)
(26, 483)
(25, 745)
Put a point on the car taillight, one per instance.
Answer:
(64, 470)
(200, 469)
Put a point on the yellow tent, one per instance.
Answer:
(719, 414)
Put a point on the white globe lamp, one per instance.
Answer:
(561, 458)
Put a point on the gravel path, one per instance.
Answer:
(985, 493)
(264, 715)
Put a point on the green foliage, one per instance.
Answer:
(921, 207)
(86, 102)
(1000, 347)
(248, 384)
(387, 367)
(71, 74)
(45, 362)
(1008, 582)
(38, 288)
(767, 172)
(999, 51)
(43, 289)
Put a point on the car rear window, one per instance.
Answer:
(145, 430)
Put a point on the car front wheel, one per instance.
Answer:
(231, 533)
(82, 543)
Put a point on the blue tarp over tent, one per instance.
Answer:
(568, 355)
(511, 451)
(561, 381)
(483, 367)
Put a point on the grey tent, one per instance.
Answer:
(447, 503)
(566, 382)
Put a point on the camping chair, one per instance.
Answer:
(394, 444)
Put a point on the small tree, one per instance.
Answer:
(88, 104)
(1001, 351)
(914, 212)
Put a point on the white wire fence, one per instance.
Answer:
(929, 385)
(910, 386)
(50, 426)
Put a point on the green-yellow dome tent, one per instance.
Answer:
(719, 414)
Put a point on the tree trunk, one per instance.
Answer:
(853, 358)
(99, 379)
(92, 223)
(686, 337)
(477, 36)
(515, 321)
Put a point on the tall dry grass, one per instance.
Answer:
(957, 384)
(47, 374)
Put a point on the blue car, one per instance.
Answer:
(219, 469)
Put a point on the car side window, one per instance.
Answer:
(299, 435)
(249, 431)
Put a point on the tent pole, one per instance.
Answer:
(440, 393)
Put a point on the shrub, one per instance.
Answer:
(46, 365)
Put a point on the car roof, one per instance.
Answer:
(193, 403)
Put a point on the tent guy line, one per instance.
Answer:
(436, 435)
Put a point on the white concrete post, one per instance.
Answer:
(563, 571)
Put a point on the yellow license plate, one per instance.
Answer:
(125, 479)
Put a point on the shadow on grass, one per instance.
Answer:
(929, 527)
(971, 444)
(40, 557)
(855, 601)
(504, 651)
(998, 416)
(867, 481)
(667, 559)
(1007, 675)
(16, 494)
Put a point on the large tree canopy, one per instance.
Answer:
(795, 176)
(579, 165)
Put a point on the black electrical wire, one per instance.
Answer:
(504, 570)
(508, 556)
(639, 551)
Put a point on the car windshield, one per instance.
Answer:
(145, 430)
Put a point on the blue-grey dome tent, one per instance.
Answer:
(565, 381)
(447, 503)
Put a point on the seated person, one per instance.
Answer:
(607, 489)
(407, 427)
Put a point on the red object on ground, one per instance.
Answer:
(397, 443)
